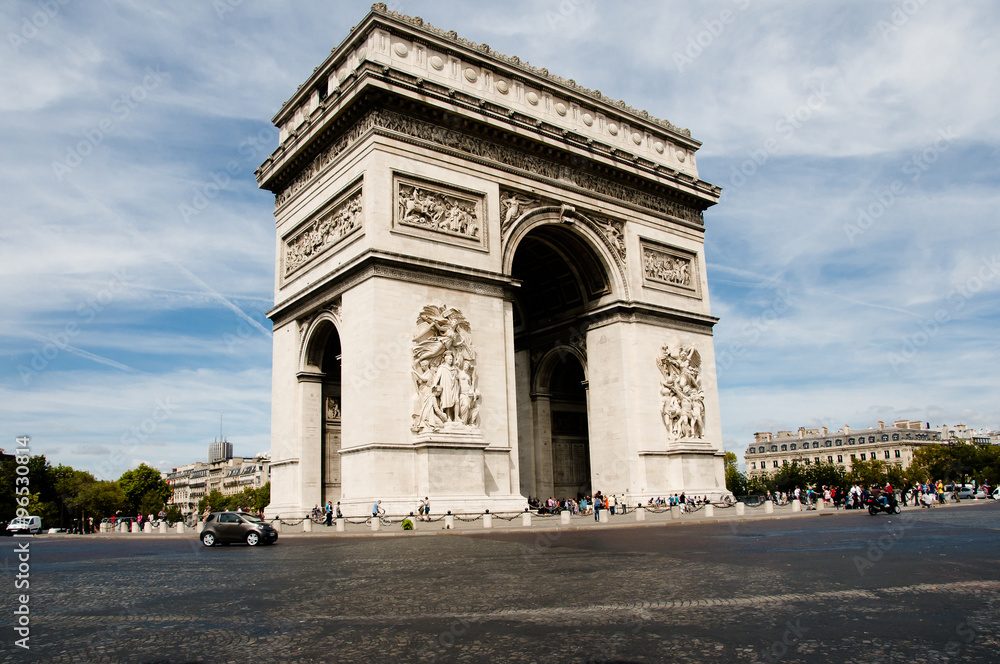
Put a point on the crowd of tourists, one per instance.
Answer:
(924, 494)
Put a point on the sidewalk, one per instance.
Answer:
(504, 522)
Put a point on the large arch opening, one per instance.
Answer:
(562, 278)
(323, 364)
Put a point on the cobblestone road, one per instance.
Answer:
(842, 587)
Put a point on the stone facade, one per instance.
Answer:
(893, 444)
(490, 284)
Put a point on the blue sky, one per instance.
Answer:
(854, 259)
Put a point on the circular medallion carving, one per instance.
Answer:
(502, 87)
(342, 74)
(658, 146)
(532, 98)
(588, 119)
(361, 54)
(681, 155)
(561, 108)
(471, 75)
(612, 129)
(400, 49)
(637, 138)
(437, 62)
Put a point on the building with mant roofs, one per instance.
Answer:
(892, 444)
(231, 476)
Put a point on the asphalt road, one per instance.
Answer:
(839, 587)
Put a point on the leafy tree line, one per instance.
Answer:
(249, 500)
(961, 463)
(60, 494)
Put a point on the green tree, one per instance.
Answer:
(824, 474)
(69, 484)
(174, 514)
(145, 489)
(262, 497)
(102, 499)
(786, 478)
(213, 502)
(736, 482)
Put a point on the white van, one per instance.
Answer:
(25, 524)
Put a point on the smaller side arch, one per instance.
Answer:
(546, 366)
(315, 341)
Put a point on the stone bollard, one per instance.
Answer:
(710, 510)
(487, 521)
(163, 527)
(449, 521)
(339, 525)
(376, 522)
(180, 528)
(675, 512)
(796, 506)
(307, 525)
(640, 514)
(200, 528)
(769, 507)
(741, 508)
(564, 517)
(605, 516)
(147, 527)
(134, 527)
(820, 505)
(526, 518)
(414, 520)
(274, 524)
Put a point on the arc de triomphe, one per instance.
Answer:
(490, 285)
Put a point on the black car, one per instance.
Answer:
(228, 527)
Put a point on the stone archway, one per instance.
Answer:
(320, 379)
(564, 276)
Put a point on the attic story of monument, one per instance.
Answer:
(490, 284)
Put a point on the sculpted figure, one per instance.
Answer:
(468, 396)
(682, 400)
(444, 372)
(446, 386)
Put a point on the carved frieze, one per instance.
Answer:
(438, 212)
(328, 228)
(670, 268)
(478, 147)
(682, 400)
(445, 377)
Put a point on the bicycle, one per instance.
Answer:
(382, 518)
